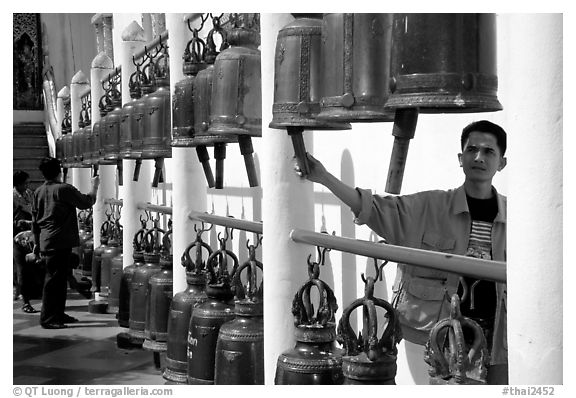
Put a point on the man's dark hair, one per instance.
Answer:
(50, 168)
(20, 177)
(484, 126)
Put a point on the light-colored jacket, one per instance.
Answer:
(438, 221)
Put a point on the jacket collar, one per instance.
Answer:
(460, 205)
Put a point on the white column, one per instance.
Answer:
(132, 191)
(188, 182)
(287, 204)
(101, 66)
(80, 176)
(534, 126)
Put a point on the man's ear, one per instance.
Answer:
(460, 159)
(502, 164)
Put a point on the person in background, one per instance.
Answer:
(469, 220)
(55, 228)
(22, 238)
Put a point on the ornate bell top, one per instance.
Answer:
(459, 363)
(196, 270)
(152, 243)
(161, 70)
(368, 342)
(219, 278)
(194, 55)
(211, 52)
(138, 241)
(245, 30)
(134, 84)
(249, 296)
(105, 232)
(314, 326)
(166, 251)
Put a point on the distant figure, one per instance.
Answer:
(22, 239)
(55, 228)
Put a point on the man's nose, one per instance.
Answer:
(478, 157)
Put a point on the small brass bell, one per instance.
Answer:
(452, 360)
(369, 359)
(315, 359)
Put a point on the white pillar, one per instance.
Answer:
(188, 182)
(132, 191)
(287, 204)
(534, 116)
(80, 176)
(62, 94)
(101, 66)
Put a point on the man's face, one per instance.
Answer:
(481, 157)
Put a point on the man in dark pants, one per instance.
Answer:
(55, 228)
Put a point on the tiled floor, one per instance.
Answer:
(83, 353)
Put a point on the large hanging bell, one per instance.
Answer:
(147, 87)
(209, 316)
(126, 119)
(240, 345)
(444, 63)
(236, 103)
(181, 309)
(453, 357)
(369, 359)
(355, 57)
(315, 358)
(183, 98)
(297, 76)
(157, 117)
(297, 80)
(202, 99)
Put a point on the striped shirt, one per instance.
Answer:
(480, 243)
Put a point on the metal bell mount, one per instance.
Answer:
(236, 102)
(369, 359)
(209, 316)
(240, 345)
(297, 79)
(182, 306)
(315, 359)
(452, 360)
(440, 63)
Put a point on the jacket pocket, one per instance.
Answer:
(421, 302)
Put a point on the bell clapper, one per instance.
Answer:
(403, 131)
(204, 158)
(219, 155)
(246, 149)
(299, 148)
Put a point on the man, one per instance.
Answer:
(469, 220)
(21, 224)
(55, 228)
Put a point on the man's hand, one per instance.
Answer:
(95, 182)
(317, 171)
